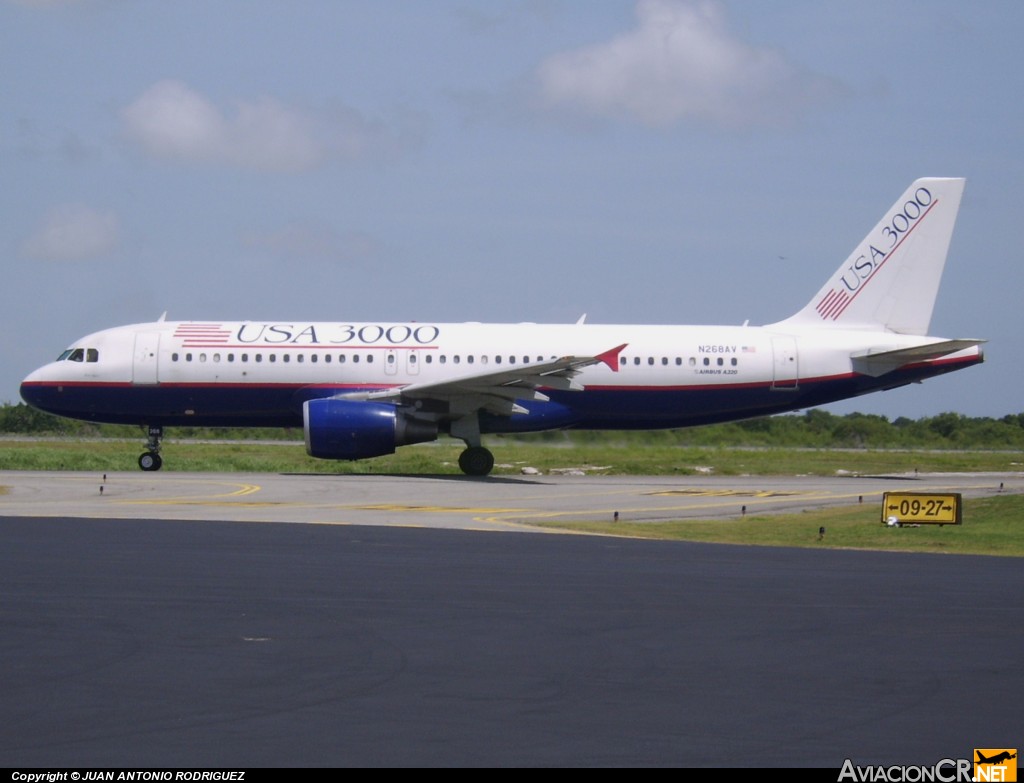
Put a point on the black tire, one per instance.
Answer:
(476, 461)
(150, 460)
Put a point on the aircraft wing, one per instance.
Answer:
(878, 362)
(497, 390)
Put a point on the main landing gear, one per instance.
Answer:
(150, 458)
(476, 461)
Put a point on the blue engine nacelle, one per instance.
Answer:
(350, 429)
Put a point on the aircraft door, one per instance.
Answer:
(786, 370)
(146, 357)
(412, 362)
(391, 363)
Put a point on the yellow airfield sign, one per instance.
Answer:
(921, 508)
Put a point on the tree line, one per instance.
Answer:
(814, 428)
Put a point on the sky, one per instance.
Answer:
(660, 161)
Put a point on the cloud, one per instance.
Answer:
(680, 63)
(72, 232)
(171, 120)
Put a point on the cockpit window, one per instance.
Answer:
(79, 355)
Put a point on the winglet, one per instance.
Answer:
(611, 358)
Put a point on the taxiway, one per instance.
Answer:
(495, 503)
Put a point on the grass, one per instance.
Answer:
(992, 526)
(510, 455)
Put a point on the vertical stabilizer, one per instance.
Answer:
(891, 280)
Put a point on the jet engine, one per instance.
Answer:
(352, 429)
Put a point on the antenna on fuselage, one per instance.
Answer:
(162, 318)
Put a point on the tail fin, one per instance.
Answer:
(891, 280)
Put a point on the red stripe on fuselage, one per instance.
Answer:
(973, 359)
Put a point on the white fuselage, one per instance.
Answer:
(186, 368)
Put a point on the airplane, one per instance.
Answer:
(996, 759)
(361, 390)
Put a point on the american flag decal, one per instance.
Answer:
(195, 335)
(832, 304)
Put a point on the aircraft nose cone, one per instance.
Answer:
(31, 393)
(38, 392)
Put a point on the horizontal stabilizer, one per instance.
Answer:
(876, 363)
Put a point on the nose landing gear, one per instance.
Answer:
(150, 458)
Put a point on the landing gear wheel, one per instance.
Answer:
(150, 458)
(476, 461)
(150, 461)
